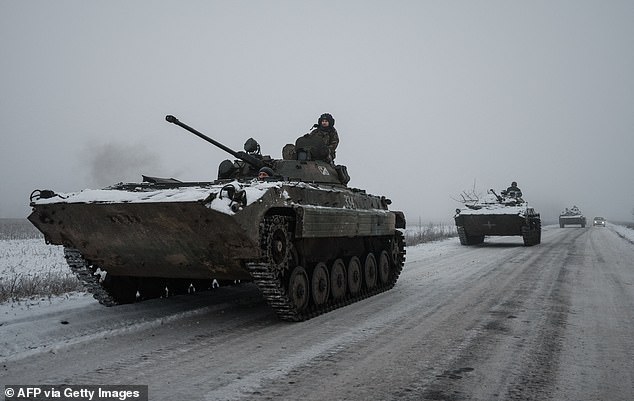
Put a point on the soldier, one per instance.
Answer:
(265, 172)
(325, 129)
(514, 191)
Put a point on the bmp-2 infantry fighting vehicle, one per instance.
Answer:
(310, 243)
(572, 216)
(504, 214)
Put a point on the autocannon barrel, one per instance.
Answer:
(499, 198)
(257, 163)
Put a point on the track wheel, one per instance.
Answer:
(338, 279)
(354, 275)
(384, 267)
(278, 242)
(298, 288)
(370, 271)
(320, 284)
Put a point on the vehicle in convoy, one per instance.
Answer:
(497, 215)
(572, 216)
(308, 241)
(598, 221)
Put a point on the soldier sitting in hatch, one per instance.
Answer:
(325, 130)
(513, 191)
(320, 144)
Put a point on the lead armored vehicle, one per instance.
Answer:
(497, 215)
(309, 242)
(572, 216)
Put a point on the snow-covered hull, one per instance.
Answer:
(504, 217)
(572, 220)
(279, 234)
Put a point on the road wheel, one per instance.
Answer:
(338, 279)
(320, 284)
(370, 271)
(298, 288)
(354, 275)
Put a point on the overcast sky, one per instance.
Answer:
(431, 98)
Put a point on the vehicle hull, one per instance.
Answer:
(279, 234)
(498, 217)
(572, 220)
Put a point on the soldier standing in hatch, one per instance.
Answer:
(325, 129)
(514, 191)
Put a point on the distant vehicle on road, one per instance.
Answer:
(598, 221)
(572, 216)
(501, 215)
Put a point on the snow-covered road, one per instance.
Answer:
(497, 321)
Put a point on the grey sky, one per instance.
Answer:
(428, 96)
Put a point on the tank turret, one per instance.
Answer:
(307, 165)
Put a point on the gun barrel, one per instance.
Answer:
(175, 120)
(499, 198)
(240, 155)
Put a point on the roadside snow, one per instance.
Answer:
(623, 231)
(31, 309)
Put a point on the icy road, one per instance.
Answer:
(494, 322)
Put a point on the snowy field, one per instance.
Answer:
(31, 257)
(28, 266)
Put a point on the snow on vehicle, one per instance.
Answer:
(309, 242)
(572, 216)
(497, 215)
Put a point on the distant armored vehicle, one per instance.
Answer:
(497, 215)
(310, 243)
(572, 216)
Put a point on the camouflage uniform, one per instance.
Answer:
(329, 135)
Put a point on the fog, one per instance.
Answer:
(431, 98)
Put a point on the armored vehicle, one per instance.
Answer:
(497, 215)
(572, 216)
(309, 242)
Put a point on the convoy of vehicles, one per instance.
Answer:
(309, 242)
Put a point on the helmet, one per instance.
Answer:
(326, 116)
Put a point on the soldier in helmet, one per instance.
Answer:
(325, 130)
(514, 191)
